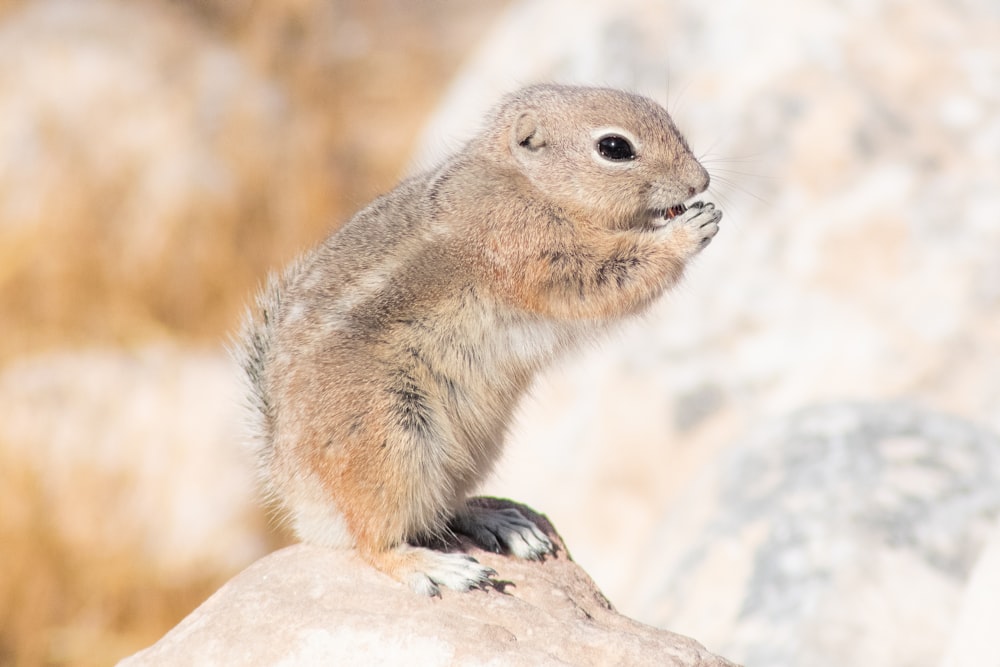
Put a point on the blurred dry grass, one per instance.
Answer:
(146, 202)
(351, 84)
(66, 600)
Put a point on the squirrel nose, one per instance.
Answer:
(699, 180)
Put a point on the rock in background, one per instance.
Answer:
(973, 638)
(844, 534)
(126, 498)
(190, 472)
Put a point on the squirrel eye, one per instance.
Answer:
(616, 148)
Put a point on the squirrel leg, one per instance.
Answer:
(384, 541)
(391, 484)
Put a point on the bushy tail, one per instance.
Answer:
(251, 349)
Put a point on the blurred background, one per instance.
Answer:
(793, 459)
(157, 158)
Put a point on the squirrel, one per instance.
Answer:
(384, 366)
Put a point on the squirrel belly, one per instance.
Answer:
(384, 366)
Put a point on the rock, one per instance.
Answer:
(973, 638)
(307, 605)
(845, 534)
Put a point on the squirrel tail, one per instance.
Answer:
(250, 348)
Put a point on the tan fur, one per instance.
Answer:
(385, 364)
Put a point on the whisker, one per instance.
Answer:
(737, 172)
(734, 184)
(733, 158)
(674, 107)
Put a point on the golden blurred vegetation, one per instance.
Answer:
(148, 208)
(65, 600)
(354, 82)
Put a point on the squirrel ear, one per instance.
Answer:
(527, 132)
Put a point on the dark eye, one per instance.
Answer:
(616, 148)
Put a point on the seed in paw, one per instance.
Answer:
(675, 211)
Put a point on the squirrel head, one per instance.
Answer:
(605, 154)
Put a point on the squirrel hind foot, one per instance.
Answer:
(424, 569)
(495, 529)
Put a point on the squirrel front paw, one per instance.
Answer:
(693, 227)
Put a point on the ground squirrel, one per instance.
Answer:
(384, 365)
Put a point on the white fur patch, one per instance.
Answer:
(320, 523)
(531, 341)
(503, 336)
(367, 285)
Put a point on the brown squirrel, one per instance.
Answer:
(384, 365)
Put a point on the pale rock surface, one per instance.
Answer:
(844, 534)
(308, 605)
(973, 641)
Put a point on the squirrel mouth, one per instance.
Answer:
(658, 217)
(669, 213)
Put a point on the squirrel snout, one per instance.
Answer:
(698, 178)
